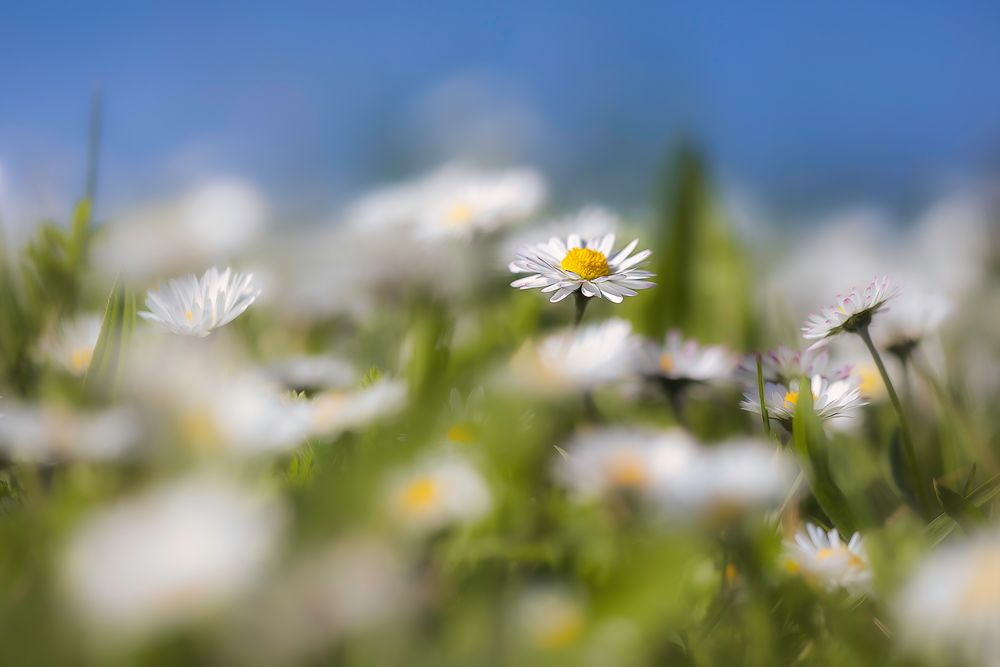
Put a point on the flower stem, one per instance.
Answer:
(904, 426)
(581, 301)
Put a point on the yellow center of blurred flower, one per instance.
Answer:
(626, 471)
(586, 263)
(189, 316)
(791, 399)
(791, 566)
(731, 573)
(871, 385)
(459, 214)
(563, 629)
(666, 363)
(982, 589)
(461, 433)
(79, 359)
(824, 553)
(421, 494)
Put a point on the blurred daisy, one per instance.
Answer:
(578, 359)
(437, 492)
(831, 398)
(549, 618)
(335, 411)
(951, 603)
(851, 313)
(72, 346)
(680, 360)
(195, 306)
(598, 462)
(784, 364)
(563, 267)
(170, 554)
(822, 556)
(313, 373)
(910, 321)
(48, 434)
(455, 201)
(729, 479)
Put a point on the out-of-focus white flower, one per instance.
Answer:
(333, 412)
(312, 373)
(208, 225)
(549, 617)
(72, 345)
(50, 434)
(911, 319)
(822, 556)
(562, 267)
(831, 398)
(783, 364)
(601, 461)
(729, 479)
(346, 587)
(169, 555)
(195, 306)
(454, 201)
(686, 360)
(951, 604)
(578, 359)
(437, 492)
(851, 313)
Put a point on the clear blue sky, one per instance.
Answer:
(802, 101)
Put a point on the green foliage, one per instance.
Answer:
(116, 331)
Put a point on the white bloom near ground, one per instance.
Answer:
(194, 306)
(686, 360)
(824, 557)
(71, 347)
(169, 555)
(436, 492)
(49, 433)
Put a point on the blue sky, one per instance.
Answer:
(804, 103)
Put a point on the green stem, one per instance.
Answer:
(580, 301)
(904, 426)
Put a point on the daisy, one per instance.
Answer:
(578, 359)
(784, 364)
(174, 552)
(831, 398)
(334, 411)
(438, 491)
(48, 434)
(313, 373)
(563, 267)
(910, 321)
(600, 462)
(195, 306)
(686, 360)
(824, 557)
(951, 603)
(851, 313)
(549, 617)
(72, 347)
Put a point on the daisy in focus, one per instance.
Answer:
(822, 556)
(72, 346)
(951, 603)
(193, 306)
(852, 313)
(686, 360)
(600, 462)
(437, 492)
(578, 359)
(831, 398)
(563, 267)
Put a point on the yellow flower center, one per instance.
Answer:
(189, 316)
(791, 399)
(666, 363)
(421, 494)
(562, 630)
(586, 263)
(79, 359)
(871, 385)
(982, 589)
(461, 433)
(627, 472)
(459, 214)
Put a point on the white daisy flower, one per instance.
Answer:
(436, 492)
(313, 373)
(831, 398)
(599, 462)
(686, 360)
(578, 359)
(549, 617)
(334, 411)
(175, 552)
(822, 556)
(195, 306)
(48, 434)
(72, 347)
(455, 201)
(951, 603)
(910, 321)
(784, 364)
(563, 267)
(592, 221)
(851, 313)
(729, 479)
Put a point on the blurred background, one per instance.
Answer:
(798, 107)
